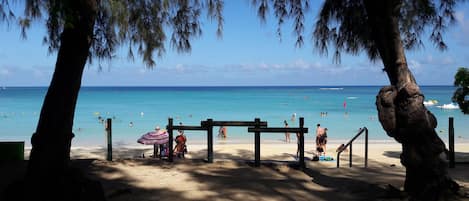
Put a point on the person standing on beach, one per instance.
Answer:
(319, 133)
(287, 134)
(180, 131)
(323, 141)
(297, 145)
(222, 132)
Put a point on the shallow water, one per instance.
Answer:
(137, 110)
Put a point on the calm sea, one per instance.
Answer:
(137, 110)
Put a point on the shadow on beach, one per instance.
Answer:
(232, 177)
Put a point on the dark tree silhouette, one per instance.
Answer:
(384, 29)
(80, 30)
(461, 80)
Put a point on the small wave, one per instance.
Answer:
(331, 88)
(352, 97)
(450, 106)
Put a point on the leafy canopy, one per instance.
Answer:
(6, 14)
(461, 80)
(284, 10)
(141, 24)
(342, 23)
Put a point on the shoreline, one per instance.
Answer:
(308, 144)
(375, 149)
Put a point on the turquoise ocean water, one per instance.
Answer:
(147, 107)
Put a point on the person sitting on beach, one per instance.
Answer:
(180, 149)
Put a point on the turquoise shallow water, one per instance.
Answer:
(147, 107)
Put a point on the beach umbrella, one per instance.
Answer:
(154, 137)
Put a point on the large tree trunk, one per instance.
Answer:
(49, 176)
(401, 110)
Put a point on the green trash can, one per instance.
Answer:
(12, 151)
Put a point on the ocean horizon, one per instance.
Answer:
(135, 110)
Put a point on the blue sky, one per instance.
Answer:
(248, 54)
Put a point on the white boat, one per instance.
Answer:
(332, 88)
(450, 106)
(430, 102)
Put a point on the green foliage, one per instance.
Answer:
(6, 15)
(341, 24)
(285, 9)
(140, 24)
(461, 80)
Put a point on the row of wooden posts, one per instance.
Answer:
(257, 127)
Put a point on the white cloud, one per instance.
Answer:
(459, 16)
(463, 24)
(180, 68)
(298, 64)
(142, 70)
(430, 60)
(38, 73)
(415, 66)
(4, 72)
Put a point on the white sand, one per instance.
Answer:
(233, 177)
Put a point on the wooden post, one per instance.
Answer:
(366, 147)
(451, 142)
(302, 143)
(257, 144)
(109, 139)
(350, 156)
(210, 140)
(170, 140)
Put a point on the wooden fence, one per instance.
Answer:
(257, 127)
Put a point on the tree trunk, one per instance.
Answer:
(401, 110)
(48, 175)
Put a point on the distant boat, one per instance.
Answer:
(450, 106)
(331, 88)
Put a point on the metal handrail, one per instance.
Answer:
(349, 144)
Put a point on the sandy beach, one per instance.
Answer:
(232, 176)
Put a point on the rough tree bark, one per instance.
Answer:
(401, 110)
(49, 176)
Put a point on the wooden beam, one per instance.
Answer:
(278, 130)
(234, 123)
(193, 128)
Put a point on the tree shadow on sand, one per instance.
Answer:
(232, 177)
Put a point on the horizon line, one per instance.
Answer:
(430, 85)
